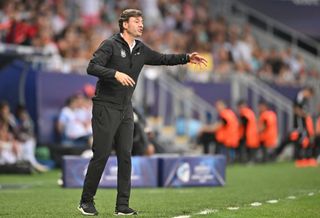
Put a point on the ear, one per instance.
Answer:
(125, 25)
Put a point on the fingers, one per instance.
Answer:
(197, 59)
(127, 81)
(124, 79)
(202, 61)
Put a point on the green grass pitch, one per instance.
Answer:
(40, 196)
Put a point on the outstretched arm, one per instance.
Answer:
(155, 58)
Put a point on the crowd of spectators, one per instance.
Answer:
(73, 29)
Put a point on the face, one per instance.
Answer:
(308, 94)
(219, 106)
(241, 106)
(261, 108)
(134, 26)
(5, 112)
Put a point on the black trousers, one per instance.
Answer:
(206, 139)
(316, 148)
(110, 125)
(266, 153)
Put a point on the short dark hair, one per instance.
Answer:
(241, 102)
(4, 104)
(263, 102)
(126, 14)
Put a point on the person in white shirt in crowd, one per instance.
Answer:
(72, 124)
(83, 112)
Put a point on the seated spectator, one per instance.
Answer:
(249, 136)
(72, 125)
(84, 112)
(268, 130)
(224, 132)
(25, 135)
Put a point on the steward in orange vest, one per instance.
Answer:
(268, 129)
(249, 137)
(224, 132)
(227, 133)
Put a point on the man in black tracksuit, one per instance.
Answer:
(117, 63)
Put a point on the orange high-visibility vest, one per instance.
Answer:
(309, 126)
(252, 135)
(228, 134)
(318, 126)
(269, 135)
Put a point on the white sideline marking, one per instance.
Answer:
(272, 201)
(233, 208)
(255, 204)
(207, 211)
(183, 216)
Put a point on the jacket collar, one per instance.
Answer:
(119, 39)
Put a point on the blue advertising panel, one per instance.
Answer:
(144, 172)
(192, 171)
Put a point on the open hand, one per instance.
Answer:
(124, 79)
(195, 58)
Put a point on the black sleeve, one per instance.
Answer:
(99, 60)
(155, 58)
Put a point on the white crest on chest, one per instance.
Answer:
(123, 53)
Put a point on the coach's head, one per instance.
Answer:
(131, 22)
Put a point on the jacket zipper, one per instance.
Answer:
(131, 59)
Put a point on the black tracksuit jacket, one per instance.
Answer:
(114, 55)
